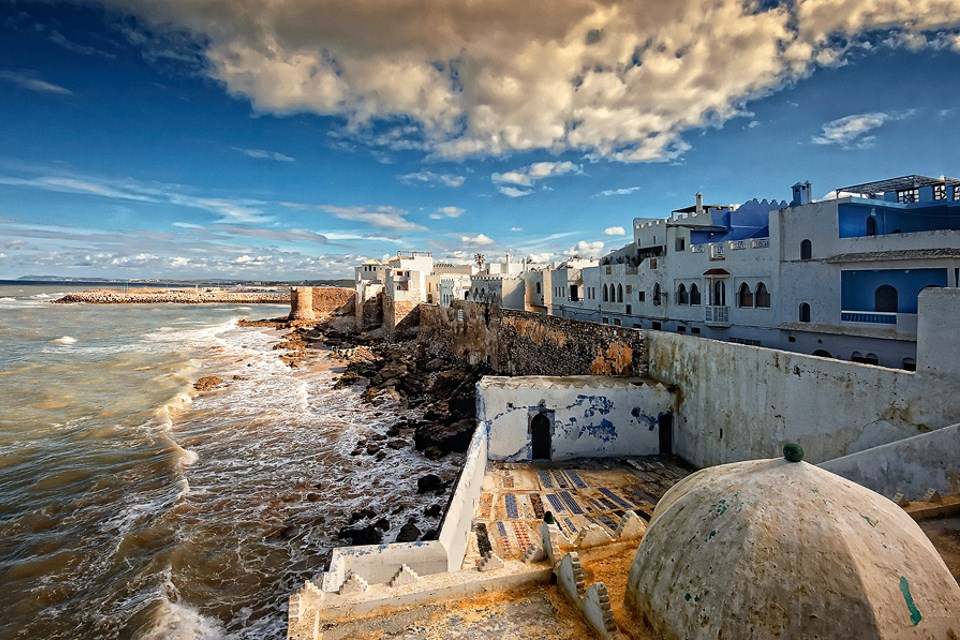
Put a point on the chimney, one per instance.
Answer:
(801, 194)
(699, 203)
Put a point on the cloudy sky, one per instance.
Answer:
(290, 139)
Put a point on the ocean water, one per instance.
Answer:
(131, 507)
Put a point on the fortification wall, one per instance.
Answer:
(521, 343)
(738, 402)
(309, 304)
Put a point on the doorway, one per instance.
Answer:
(665, 430)
(541, 428)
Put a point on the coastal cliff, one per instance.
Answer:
(180, 296)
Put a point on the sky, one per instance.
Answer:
(293, 139)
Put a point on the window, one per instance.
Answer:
(907, 196)
(538, 287)
(719, 294)
(885, 299)
(574, 294)
(909, 364)
(605, 320)
(939, 192)
(629, 309)
(616, 321)
(641, 296)
(956, 192)
(680, 244)
(744, 296)
(681, 329)
(682, 294)
(629, 289)
(872, 226)
(695, 331)
(694, 294)
(804, 314)
(822, 354)
(870, 358)
(606, 297)
(619, 293)
(762, 296)
(655, 325)
(656, 294)
(806, 250)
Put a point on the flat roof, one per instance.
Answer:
(896, 184)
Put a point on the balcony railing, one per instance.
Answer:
(717, 314)
(871, 317)
(717, 248)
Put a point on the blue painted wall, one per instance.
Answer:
(894, 218)
(857, 288)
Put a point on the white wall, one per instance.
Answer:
(593, 416)
(911, 467)
(459, 517)
(739, 402)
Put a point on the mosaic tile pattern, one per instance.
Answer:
(516, 495)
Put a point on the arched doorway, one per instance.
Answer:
(885, 299)
(540, 436)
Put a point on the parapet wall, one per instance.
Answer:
(521, 343)
(739, 402)
(309, 304)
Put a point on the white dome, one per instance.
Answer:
(777, 549)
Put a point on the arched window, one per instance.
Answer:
(694, 294)
(804, 312)
(885, 299)
(682, 294)
(909, 364)
(619, 293)
(871, 225)
(656, 293)
(606, 296)
(822, 353)
(744, 296)
(806, 250)
(762, 296)
(719, 294)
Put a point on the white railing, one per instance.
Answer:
(717, 314)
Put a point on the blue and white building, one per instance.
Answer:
(836, 278)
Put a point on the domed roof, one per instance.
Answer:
(779, 549)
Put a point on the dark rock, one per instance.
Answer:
(396, 444)
(362, 514)
(429, 482)
(446, 437)
(382, 524)
(408, 533)
(361, 535)
(373, 448)
(431, 534)
(433, 511)
(313, 497)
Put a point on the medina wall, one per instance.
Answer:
(309, 304)
(519, 343)
(588, 416)
(737, 402)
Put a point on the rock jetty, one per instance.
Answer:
(176, 296)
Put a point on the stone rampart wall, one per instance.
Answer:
(522, 343)
(309, 304)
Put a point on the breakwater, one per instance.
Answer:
(176, 296)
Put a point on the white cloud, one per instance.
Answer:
(540, 258)
(188, 225)
(623, 191)
(382, 216)
(446, 212)
(615, 231)
(526, 176)
(621, 79)
(478, 240)
(585, 249)
(513, 192)
(264, 154)
(431, 178)
(31, 83)
(853, 131)
(516, 229)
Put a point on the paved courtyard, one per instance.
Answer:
(581, 492)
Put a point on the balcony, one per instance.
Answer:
(903, 323)
(717, 316)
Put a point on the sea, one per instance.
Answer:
(133, 507)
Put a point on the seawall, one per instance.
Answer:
(175, 296)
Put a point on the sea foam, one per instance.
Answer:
(65, 340)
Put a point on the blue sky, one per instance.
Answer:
(222, 139)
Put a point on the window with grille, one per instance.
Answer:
(907, 196)
(939, 192)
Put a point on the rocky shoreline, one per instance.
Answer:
(174, 296)
(435, 396)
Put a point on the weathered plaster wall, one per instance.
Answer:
(313, 303)
(521, 343)
(911, 467)
(458, 520)
(592, 416)
(399, 316)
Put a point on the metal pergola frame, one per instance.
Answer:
(896, 184)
